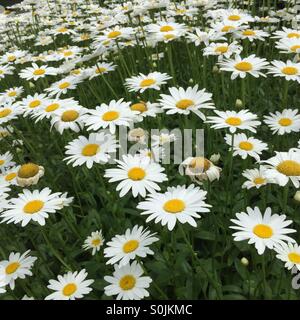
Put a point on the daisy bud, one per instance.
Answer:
(215, 69)
(297, 196)
(191, 80)
(215, 158)
(136, 135)
(239, 103)
(31, 85)
(245, 262)
(154, 64)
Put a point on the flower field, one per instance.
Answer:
(150, 150)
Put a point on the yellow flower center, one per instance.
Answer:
(263, 231)
(295, 48)
(113, 34)
(136, 174)
(64, 85)
(130, 246)
(233, 121)
(166, 28)
(169, 36)
(110, 116)
(259, 180)
(68, 53)
(289, 168)
(234, 17)
(294, 257)
(174, 206)
(34, 104)
(62, 30)
(227, 28)
(52, 107)
(39, 72)
(12, 267)
(90, 150)
(285, 122)
(12, 94)
(248, 33)
(293, 35)
(1, 71)
(290, 71)
(200, 163)
(69, 116)
(141, 107)
(100, 70)
(147, 83)
(84, 37)
(5, 112)
(28, 170)
(127, 282)
(184, 104)
(96, 242)
(246, 145)
(10, 176)
(244, 66)
(76, 72)
(11, 58)
(69, 289)
(221, 49)
(33, 206)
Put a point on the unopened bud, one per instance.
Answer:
(191, 80)
(31, 85)
(239, 103)
(215, 158)
(244, 261)
(297, 196)
(215, 69)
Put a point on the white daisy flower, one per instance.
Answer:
(70, 286)
(36, 72)
(222, 49)
(134, 243)
(100, 69)
(127, 282)
(177, 204)
(290, 254)
(6, 161)
(95, 241)
(10, 95)
(62, 86)
(256, 178)
(145, 109)
(94, 149)
(8, 112)
(140, 175)
(289, 45)
(261, 230)
(30, 104)
(289, 70)
(286, 33)
(283, 122)
(251, 34)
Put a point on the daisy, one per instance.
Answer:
(31, 206)
(95, 241)
(8, 111)
(240, 67)
(6, 161)
(136, 174)
(145, 109)
(261, 230)
(286, 33)
(70, 286)
(289, 70)
(62, 30)
(17, 266)
(134, 243)
(177, 204)
(243, 120)
(289, 45)
(100, 69)
(29, 174)
(5, 70)
(184, 101)
(256, 178)
(10, 175)
(200, 37)
(236, 15)
(30, 104)
(162, 139)
(283, 122)
(10, 95)
(94, 149)
(143, 82)
(116, 113)
(127, 282)
(36, 72)
(244, 146)
(290, 254)
(115, 33)
(165, 27)
(71, 118)
(222, 49)
(284, 166)
(62, 86)
(12, 57)
(251, 34)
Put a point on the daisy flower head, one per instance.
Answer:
(95, 241)
(289, 45)
(31, 206)
(70, 286)
(185, 101)
(236, 15)
(100, 69)
(135, 242)
(240, 67)
(36, 72)
(264, 231)
(289, 70)
(29, 174)
(283, 122)
(163, 27)
(290, 254)
(200, 36)
(6, 70)
(251, 34)
(10, 175)
(96, 148)
(244, 146)
(30, 104)
(62, 30)
(12, 57)
(145, 109)
(116, 113)
(222, 49)
(8, 111)
(127, 282)
(284, 167)
(143, 82)
(71, 118)
(62, 86)
(286, 33)
(12, 94)
(115, 33)
(178, 204)
(17, 266)
(140, 175)
(256, 178)
(242, 120)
